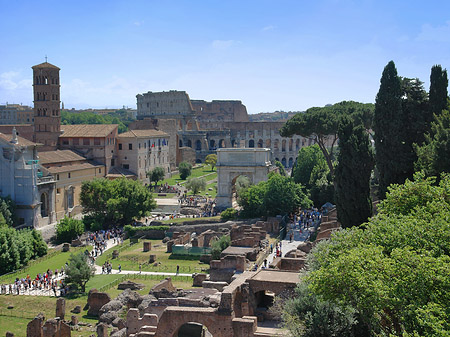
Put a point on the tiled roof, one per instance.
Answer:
(71, 168)
(21, 141)
(45, 65)
(87, 130)
(143, 134)
(59, 156)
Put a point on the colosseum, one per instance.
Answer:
(198, 128)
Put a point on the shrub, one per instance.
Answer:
(219, 246)
(131, 230)
(196, 185)
(68, 229)
(229, 214)
(185, 169)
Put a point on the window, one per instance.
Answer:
(68, 175)
(99, 170)
(130, 146)
(58, 191)
(96, 141)
(139, 144)
(57, 177)
(120, 146)
(76, 141)
(86, 141)
(65, 142)
(126, 166)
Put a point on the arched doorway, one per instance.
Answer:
(44, 205)
(291, 162)
(260, 143)
(268, 143)
(297, 144)
(283, 161)
(212, 144)
(251, 143)
(198, 145)
(180, 143)
(193, 329)
(275, 145)
(221, 143)
(189, 143)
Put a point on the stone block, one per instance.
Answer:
(34, 328)
(102, 330)
(152, 258)
(64, 329)
(147, 246)
(65, 247)
(74, 320)
(61, 307)
(214, 285)
(164, 284)
(9, 334)
(96, 300)
(198, 279)
(50, 328)
(115, 254)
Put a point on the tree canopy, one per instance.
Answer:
(156, 175)
(7, 211)
(68, 229)
(321, 124)
(79, 272)
(438, 90)
(185, 169)
(121, 117)
(196, 184)
(278, 195)
(393, 274)
(211, 159)
(352, 175)
(116, 201)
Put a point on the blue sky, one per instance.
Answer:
(271, 54)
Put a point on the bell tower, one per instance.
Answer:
(47, 113)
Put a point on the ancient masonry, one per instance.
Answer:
(198, 128)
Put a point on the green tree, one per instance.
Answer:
(228, 214)
(196, 185)
(79, 272)
(352, 175)
(185, 169)
(242, 182)
(280, 168)
(218, 246)
(438, 94)
(211, 159)
(68, 229)
(321, 125)
(116, 201)
(389, 130)
(278, 195)
(156, 175)
(8, 210)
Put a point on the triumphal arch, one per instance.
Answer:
(234, 162)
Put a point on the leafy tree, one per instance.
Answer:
(185, 169)
(280, 168)
(278, 195)
(8, 210)
(89, 117)
(394, 272)
(39, 247)
(389, 130)
(156, 175)
(352, 175)
(79, 272)
(242, 182)
(196, 185)
(218, 246)
(228, 214)
(438, 90)
(321, 125)
(116, 201)
(211, 159)
(68, 229)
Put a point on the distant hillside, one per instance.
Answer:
(280, 116)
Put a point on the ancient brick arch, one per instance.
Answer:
(174, 317)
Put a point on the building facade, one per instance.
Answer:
(13, 114)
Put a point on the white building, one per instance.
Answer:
(140, 151)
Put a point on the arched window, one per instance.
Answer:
(212, 144)
(283, 161)
(297, 144)
(180, 143)
(189, 143)
(221, 143)
(283, 145)
(291, 142)
(275, 145)
(291, 162)
(251, 143)
(268, 143)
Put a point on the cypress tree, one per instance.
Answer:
(438, 90)
(388, 126)
(352, 175)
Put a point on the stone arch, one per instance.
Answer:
(260, 143)
(189, 143)
(44, 205)
(192, 329)
(277, 159)
(212, 144)
(222, 143)
(283, 145)
(198, 145)
(251, 143)
(283, 161)
(233, 143)
(291, 162)
(291, 143)
(268, 143)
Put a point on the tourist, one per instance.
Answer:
(140, 268)
(120, 268)
(178, 269)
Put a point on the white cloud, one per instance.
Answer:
(436, 34)
(267, 28)
(223, 44)
(11, 80)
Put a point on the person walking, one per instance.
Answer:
(178, 269)
(140, 268)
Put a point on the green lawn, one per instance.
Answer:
(132, 256)
(211, 194)
(54, 262)
(204, 171)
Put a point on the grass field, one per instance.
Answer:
(211, 194)
(27, 307)
(54, 262)
(204, 171)
(131, 256)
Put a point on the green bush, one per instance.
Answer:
(185, 169)
(68, 229)
(218, 246)
(229, 214)
(131, 230)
